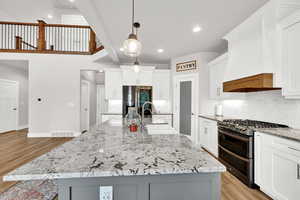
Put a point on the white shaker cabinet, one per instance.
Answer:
(142, 78)
(129, 77)
(161, 84)
(277, 166)
(217, 70)
(208, 135)
(113, 84)
(290, 32)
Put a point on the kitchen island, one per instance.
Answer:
(135, 166)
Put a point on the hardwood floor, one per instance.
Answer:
(233, 189)
(16, 149)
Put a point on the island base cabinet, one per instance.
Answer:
(204, 186)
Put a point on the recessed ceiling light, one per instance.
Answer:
(197, 29)
(101, 71)
(160, 50)
(71, 1)
(50, 16)
(121, 49)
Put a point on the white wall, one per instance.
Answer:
(267, 106)
(56, 80)
(19, 73)
(90, 76)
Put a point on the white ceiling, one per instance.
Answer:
(32, 10)
(168, 24)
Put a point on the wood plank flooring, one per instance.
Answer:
(16, 149)
(233, 189)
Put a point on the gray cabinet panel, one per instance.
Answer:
(125, 192)
(161, 187)
(87, 192)
(181, 191)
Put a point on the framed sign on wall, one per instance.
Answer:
(186, 66)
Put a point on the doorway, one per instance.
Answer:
(85, 106)
(185, 104)
(8, 105)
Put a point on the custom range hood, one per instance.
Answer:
(260, 82)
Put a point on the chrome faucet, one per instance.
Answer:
(143, 110)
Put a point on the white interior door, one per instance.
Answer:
(101, 103)
(8, 106)
(85, 106)
(186, 108)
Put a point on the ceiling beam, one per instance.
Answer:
(89, 11)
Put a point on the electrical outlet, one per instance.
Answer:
(106, 192)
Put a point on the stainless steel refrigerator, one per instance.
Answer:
(136, 96)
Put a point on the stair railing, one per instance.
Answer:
(48, 38)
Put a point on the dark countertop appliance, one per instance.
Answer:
(236, 146)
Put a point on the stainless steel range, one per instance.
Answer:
(236, 146)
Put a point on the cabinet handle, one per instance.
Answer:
(294, 149)
(298, 171)
(205, 130)
(218, 92)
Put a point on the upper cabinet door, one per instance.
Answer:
(161, 85)
(113, 85)
(144, 78)
(217, 70)
(129, 77)
(290, 56)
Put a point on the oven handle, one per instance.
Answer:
(234, 136)
(233, 154)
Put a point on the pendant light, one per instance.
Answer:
(132, 46)
(136, 66)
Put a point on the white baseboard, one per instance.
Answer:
(23, 127)
(55, 134)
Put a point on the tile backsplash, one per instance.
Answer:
(269, 106)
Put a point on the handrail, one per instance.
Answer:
(27, 44)
(48, 38)
(19, 23)
(68, 26)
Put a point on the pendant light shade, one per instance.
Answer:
(132, 47)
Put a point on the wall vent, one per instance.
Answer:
(62, 134)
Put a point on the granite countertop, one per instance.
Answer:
(114, 151)
(214, 118)
(287, 133)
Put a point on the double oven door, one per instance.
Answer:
(236, 153)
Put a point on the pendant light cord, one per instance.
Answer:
(133, 6)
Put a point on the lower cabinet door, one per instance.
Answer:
(286, 176)
(182, 191)
(257, 159)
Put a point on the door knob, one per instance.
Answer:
(14, 108)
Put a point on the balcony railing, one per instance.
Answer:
(48, 38)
